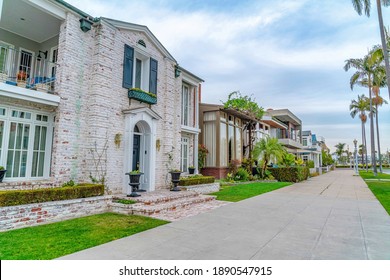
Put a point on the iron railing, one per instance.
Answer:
(26, 70)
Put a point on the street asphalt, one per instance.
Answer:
(330, 217)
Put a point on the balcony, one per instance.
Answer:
(290, 143)
(142, 96)
(27, 70)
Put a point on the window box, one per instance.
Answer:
(142, 96)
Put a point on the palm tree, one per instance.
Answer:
(361, 106)
(365, 5)
(266, 150)
(340, 149)
(366, 70)
(379, 80)
(378, 101)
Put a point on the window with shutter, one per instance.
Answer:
(153, 76)
(128, 67)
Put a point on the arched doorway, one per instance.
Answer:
(140, 146)
(141, 151)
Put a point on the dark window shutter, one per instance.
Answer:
(153, 76)
(128, 67)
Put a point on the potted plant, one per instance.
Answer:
(134, 177)
(175, 179)
(2, 173)
(191, 169)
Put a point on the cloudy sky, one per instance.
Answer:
(287, 54)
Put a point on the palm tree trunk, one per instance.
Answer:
(384, 45)
(378, 141)
(365, 146)
(372, 136)
(362, 144)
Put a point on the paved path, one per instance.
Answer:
(332, 216)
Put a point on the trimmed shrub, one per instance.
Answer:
(19, 197)
(310, 164)
(290, 174)
(241, 175)
(196, 180)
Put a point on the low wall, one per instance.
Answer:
(13, 217)
(203, 189)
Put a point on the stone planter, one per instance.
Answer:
(134, 183)
(175, 179)
(2, 174)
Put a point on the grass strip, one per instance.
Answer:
(244, 191)
(62, 238)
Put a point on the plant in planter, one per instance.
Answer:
(175, 179)
(191, 169)
(134, 177)
(2, 173)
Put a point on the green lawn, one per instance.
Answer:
(370, 175)
(244, 191)
(58, 239)
(381, 189)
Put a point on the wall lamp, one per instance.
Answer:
(177, 71)
(85, 24)
(39, 57)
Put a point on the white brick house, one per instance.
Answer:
(67, 108)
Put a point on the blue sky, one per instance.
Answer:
(287, 54)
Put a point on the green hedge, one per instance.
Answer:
(19, 197)
(290, 174)
(196, 180)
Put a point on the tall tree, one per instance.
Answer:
(361, 106)
(365, 5)
(366, 70)
(340, 149)
(252, 111)
(378, 101)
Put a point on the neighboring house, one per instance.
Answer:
(311, 148)
(223, 135)
(84, 97)
(285, 126)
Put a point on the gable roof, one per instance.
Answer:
(140, 28)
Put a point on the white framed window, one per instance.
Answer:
(26, 64)
(5, 57)
(210, 137)
(304, 141)
(25, 143)
(141, 71)
(185, 105)
(53, 61)
(184, 154)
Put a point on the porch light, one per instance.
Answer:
(39, 57)
(177, 71)
(85, 24)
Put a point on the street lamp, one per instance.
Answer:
(356, 158)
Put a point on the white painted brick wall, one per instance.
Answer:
(92, 100)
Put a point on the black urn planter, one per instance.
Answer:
(191, 170)
(175, 179)
(134, 183)
(2, 173)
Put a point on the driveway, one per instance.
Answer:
(333, 216)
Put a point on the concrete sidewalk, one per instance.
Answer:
(333, 216)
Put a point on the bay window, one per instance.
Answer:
(25, 143)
